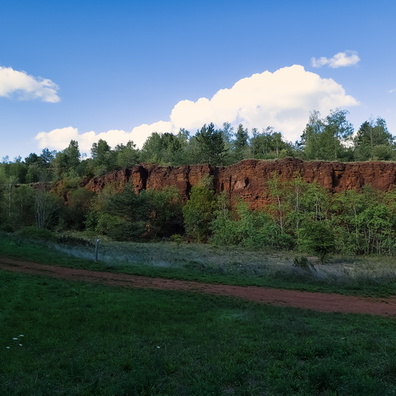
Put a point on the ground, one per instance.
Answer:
(324, 302)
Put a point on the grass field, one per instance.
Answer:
(68, 338)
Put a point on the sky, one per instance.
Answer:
(119, 70)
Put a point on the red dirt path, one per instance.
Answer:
(324, 302)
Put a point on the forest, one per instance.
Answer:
(44, 191)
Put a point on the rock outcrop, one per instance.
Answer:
(248, 179)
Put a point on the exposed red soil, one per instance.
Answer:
(324, 302)
(248, 179)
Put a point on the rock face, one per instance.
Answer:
(248, 179)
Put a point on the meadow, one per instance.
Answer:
(61, 337)
(373, 275)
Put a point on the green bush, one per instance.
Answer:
(36, 233)
(198, 212)
(318, 238)
(250, 229)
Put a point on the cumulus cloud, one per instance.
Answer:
(59, 139)
(342, 59)
(20, 85)
(282, 99)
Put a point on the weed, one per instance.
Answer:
(301, 262)
(177, 238)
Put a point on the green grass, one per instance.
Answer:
(369, 276)
(88, 339)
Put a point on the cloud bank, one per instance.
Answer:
(59, 139)
(342, 59)
(282, 99)
(20, 85)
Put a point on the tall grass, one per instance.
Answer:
(366, 275)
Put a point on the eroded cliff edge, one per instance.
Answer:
(248, 179)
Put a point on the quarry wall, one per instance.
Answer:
(248, 179)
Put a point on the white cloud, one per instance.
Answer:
(21, 85)
(391, 91)
(342, 59)
(283, 100)
(59, 139)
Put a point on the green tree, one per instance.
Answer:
(279, 190)
(150, 214)
(16, 207)
(241, 143)
(311, 137)
(47, 156)
(199, 210)
(210, 144)
(126, 155)
(224, 232)
(165, 148)
(47, 208)
(326, 139)
(77, 207)
(269, 144)
(347, 207)
(318, 237)
(67, 161)
(377, 224)
(340, 130)
(373, 141)
(16, 170)
(38, 166)
(103, 158)
(250, 229)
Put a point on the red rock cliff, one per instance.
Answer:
(248, 179)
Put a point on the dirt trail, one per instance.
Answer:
(324, 302)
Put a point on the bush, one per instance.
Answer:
(198, 212)
(251, 229)
(36, 233)
(301, 262)
(318, 237)
(73, 241)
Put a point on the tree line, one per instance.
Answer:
(331, 138)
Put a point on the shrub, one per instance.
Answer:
(36, 233)
(251, 229)
(198, 213)
(301, 262)
(318, 237)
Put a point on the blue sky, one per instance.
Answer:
(120, 70)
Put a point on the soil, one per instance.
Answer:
(324, 302)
